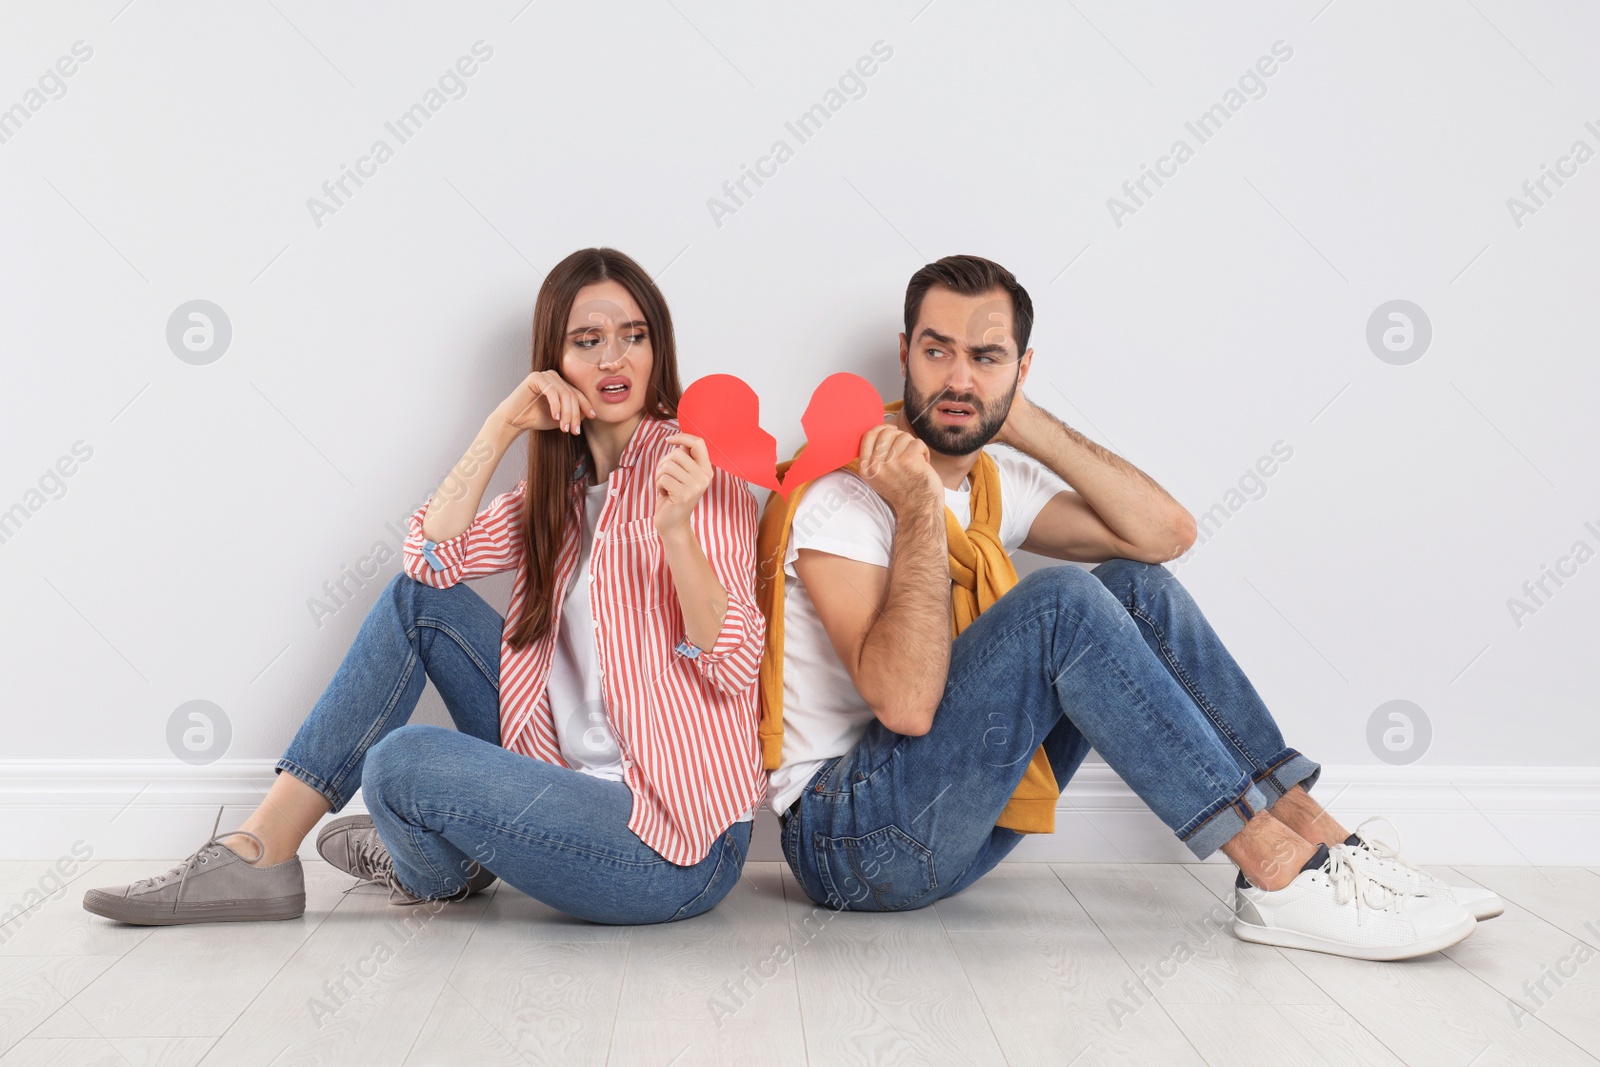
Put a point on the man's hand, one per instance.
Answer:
(896, 465)
(1018, 428)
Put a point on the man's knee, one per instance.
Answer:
(1073, 588)
(1118, 573)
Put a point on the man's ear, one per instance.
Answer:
(905, 350)
(1022, 371)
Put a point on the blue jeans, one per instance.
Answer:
(442, 799)
(1119, 658)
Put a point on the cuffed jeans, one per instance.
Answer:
(1119, 658)
(443, 799)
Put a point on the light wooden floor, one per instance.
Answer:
(1036, 964)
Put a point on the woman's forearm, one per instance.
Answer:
(455, 504)
(701, 596)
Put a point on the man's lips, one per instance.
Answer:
(956, 412)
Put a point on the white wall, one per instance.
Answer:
(1226, 313)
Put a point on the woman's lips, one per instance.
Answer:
(614, 390)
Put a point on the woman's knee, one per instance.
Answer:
(400, 756)
(412, 598)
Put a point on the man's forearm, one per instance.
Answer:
(1126, 498)
(906, 653)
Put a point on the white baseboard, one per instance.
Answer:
(158, 809)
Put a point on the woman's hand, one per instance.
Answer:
(682, 477)
(544, 401)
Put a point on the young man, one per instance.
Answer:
(906, 762)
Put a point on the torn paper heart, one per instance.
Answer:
(724, 411)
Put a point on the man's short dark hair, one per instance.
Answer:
(971, 276)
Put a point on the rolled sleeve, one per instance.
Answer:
(725, 525)
(489, 545)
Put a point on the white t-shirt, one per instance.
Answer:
(577, 701)
(823, 715)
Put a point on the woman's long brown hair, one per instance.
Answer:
(553, 456)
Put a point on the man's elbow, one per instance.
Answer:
(906, 720)
(1184, 532)
(1177, 539)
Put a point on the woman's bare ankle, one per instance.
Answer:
(276, 851)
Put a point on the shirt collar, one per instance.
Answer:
(648, 432)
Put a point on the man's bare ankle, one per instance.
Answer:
(1276, 875)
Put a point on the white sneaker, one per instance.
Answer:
(1383, 862)
(1331, 906)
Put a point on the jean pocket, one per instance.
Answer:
(884, 871)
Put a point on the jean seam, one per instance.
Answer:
(433, 872)
(1237, 801)
(724, 846)
(462, 643)
(367, 740)
(816, 782)
(1051, 611)
(332, 795)
(1200, 700)
(545, 842)
(825, 868)
(1271, 772)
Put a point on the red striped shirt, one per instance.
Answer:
(686, 726)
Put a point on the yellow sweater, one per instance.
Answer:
(980, 573)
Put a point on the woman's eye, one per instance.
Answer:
(637, 339)
(587, 342)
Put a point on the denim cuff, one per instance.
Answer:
(1227, 820)
(1285, 771)
(328, 793)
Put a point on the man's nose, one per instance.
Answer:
(960, 380)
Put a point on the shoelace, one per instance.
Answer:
(377, 867)
(371, 857)
(1349, 881)
(1387, 853)
(199, 857)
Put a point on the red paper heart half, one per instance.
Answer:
(724, 411)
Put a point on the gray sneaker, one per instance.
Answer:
(351, 843)
(214, 884)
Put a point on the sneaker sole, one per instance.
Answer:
(1487, 909)
(140, 914)
(1263, 935)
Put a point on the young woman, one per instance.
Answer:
(604, 759)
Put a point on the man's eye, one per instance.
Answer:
(934, 353)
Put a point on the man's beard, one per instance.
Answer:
(955, 440)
